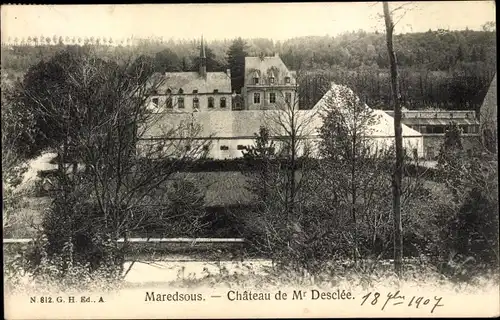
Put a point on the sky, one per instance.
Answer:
(278, 21)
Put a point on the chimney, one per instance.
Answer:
(228, 72)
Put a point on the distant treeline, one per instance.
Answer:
(438, 69)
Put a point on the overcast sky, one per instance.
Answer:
(225, 21)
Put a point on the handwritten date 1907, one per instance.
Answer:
(397, 299)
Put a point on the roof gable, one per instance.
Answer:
(384, 126)
(266, 67)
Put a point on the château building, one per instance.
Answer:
(268, 82)
(196, 91)
(268, 87)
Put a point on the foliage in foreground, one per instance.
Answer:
(341, 208)
(92, 113)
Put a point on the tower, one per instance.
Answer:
(203, 60)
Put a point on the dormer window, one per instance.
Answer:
(181, 91)
(271, 80)
(287, 80)
(255, 80)
(195, 91)
(169, 91)
(155, 102)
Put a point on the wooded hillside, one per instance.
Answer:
(438, 69)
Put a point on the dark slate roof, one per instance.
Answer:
(266, 67)
(189, 81)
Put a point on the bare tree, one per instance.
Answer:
(348, 150)
(128, 184)
(282, 152)
(398, 169)
(291, 127)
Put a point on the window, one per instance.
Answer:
(205, 148)
(272, 97)
(180, 103)
(181, 91)
(211, 102)
(255, 80)
(188, 147)
(271, 80)
(216, 91)
(169, 91)
(155, 102)
(287, 80)
(196, 103)
(222, 102)
(256, 98)
(224, 147)
(288, 97)
(169, 103)
(195, 91)
(438, 129)
(241, 147)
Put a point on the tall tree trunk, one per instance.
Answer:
(396, 178)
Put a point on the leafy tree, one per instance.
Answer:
(312, 87)
(260, 159)
(167, 61)
(355, 194)
(452, 158)
(212, 63)
(13, 165)
(236, 60)
(469, 223)
(40, 85)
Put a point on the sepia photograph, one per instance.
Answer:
(250, 160)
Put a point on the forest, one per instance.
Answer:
(438, 68)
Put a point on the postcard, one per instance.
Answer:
(250, 160)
